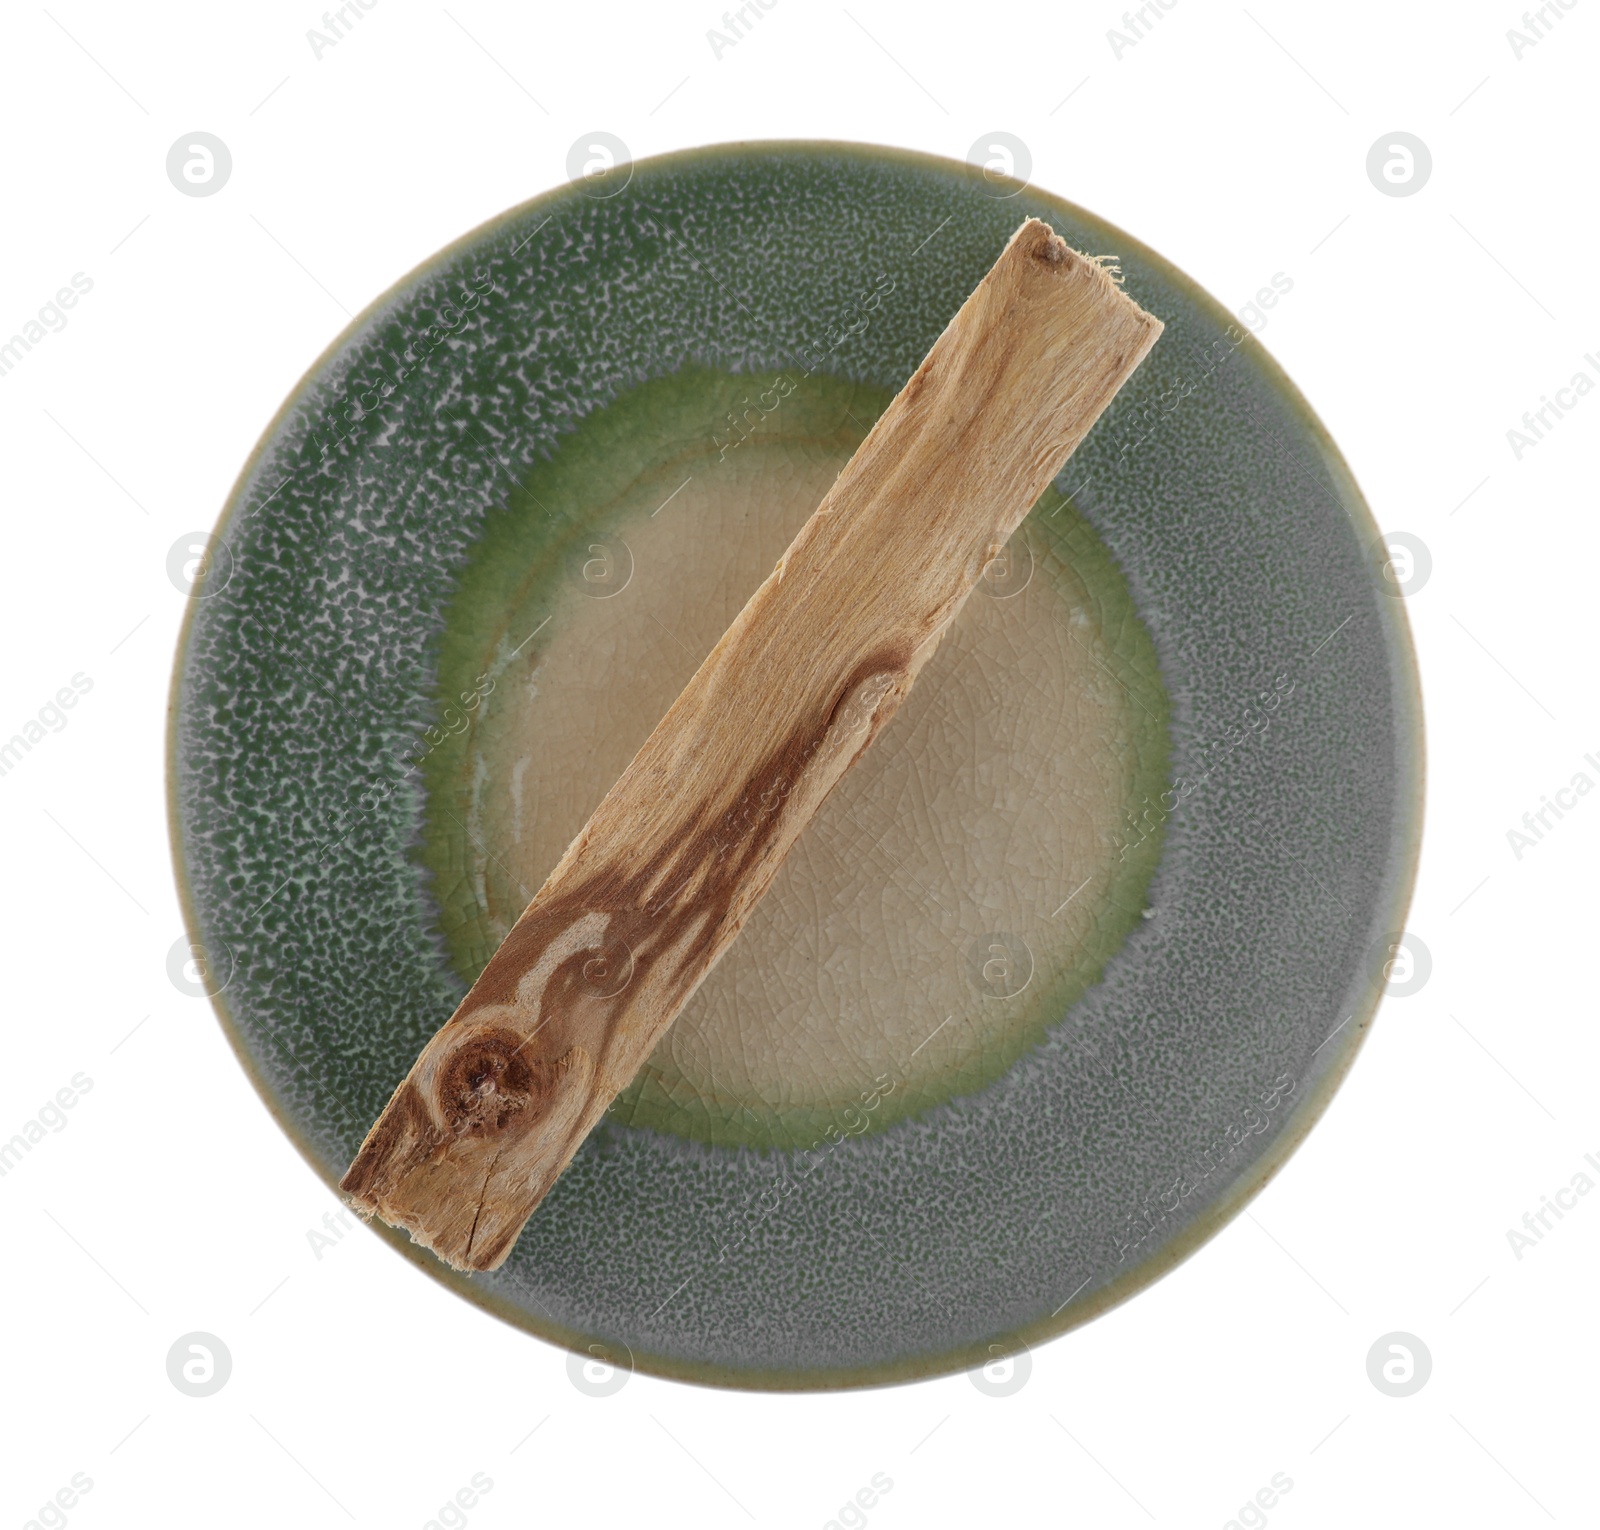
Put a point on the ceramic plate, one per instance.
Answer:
(1061, 972)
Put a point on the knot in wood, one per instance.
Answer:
(487, 1081)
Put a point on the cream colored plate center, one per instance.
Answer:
(950, 896)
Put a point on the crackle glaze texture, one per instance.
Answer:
(307, 691)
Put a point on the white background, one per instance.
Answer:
(1420, 327)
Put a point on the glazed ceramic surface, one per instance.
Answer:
(1062, 971)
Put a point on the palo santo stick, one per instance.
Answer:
(666, 871)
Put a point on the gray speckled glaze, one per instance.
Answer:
(1160, 1101)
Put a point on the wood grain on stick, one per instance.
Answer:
(667, 869)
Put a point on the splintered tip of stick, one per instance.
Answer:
(1034, 237)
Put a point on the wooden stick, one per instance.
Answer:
(661, 878)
